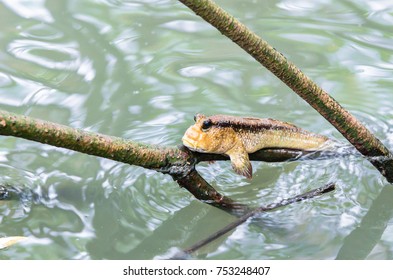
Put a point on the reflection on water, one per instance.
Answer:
(112, 67)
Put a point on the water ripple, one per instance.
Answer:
(109, 66)
(48, 55)
(27, 9)
(190, 26)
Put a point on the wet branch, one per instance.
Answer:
(354, 131)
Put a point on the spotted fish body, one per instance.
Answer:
(236, 137)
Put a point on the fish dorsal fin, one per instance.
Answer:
(239, 160)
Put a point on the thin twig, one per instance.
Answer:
(311, 194)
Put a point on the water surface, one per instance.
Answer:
(141, 70)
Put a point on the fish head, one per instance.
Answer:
(206, 137)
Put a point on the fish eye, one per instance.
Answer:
(195, 118)
(206, 124)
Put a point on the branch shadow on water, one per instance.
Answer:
(185, 227)
(361, 241)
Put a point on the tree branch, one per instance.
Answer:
(355, 132)
(91, 143)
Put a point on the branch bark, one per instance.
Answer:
(354, 131)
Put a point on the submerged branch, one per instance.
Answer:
(201, 189)
(311, 194)
(354, 131)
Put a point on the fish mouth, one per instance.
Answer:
(191, 144)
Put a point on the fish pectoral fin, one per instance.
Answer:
(240, 161)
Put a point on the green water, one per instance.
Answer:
(141, 70)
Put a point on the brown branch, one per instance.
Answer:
(355, 132)
(282, 154)
(148, 156)
(196, 185)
